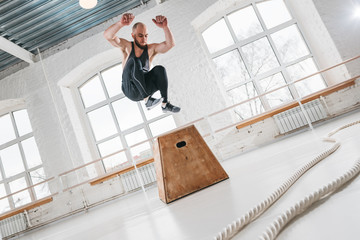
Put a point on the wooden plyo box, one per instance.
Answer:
(184, 164)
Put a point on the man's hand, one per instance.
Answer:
(127, 18)
(160, 21)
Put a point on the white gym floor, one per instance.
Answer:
(253, 176)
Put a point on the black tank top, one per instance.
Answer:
(144, 58)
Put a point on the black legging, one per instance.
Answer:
(137, 84)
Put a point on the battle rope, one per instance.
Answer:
(272, 231)
(298, 208)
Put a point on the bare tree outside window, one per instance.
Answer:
(261, 57)
(231, 68)
(278, 97)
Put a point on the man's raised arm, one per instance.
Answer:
(161, 22)
(110, 33)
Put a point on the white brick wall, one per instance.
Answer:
(343, 27)
(319, 40)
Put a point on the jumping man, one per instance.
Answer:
(138, 81)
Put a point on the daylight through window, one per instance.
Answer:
(20, 162)
(118, 123)
(259, 48)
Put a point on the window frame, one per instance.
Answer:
(108, 102)
(26, 174)
(266, 33)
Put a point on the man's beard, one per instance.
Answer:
(139, 45)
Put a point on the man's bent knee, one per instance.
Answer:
(160, 69)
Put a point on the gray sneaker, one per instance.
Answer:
(170, 108)
(152, 102)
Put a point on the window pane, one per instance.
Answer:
(109, 147)
(41, 190)
(310, 85)
(155, 112)
(127, 113)
(115, 161)
(249, 109)
(141, 152)
(38, 176)
(245, 23)
(11, 160)
(162, 125)
(6, 129)
(92, 92)
(22, 122)
(136, 137)
(243, 93)
(20, 198)
(290, 43)
(278, 97)
(102, 122)
(231, 68)
(273, 12)
(303, 69)
(260, 56)
(31, 152)
(112, 79)
(4, 203)
(2, 190)
(217, 36)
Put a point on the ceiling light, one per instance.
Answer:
(357, 11)
(87, 4)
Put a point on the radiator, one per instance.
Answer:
(294, 118)
(131, 182)
(13, 224)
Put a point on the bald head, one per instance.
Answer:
(137, 25)
(139, 34)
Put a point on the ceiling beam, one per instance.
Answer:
(16, 51)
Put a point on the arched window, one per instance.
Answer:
(21, 164)
(118, 123)
(257, 48)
